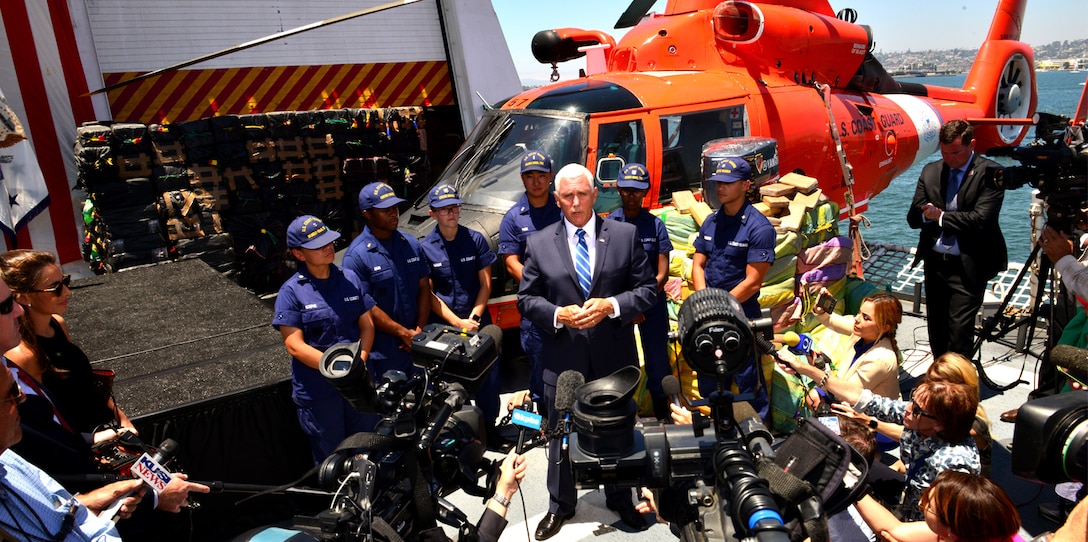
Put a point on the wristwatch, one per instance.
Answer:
(475, 318)
(501, 500)
(872, 423)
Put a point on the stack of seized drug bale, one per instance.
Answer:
(121, 221)
(224, 188)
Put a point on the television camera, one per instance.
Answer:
(713, 485)
(389, 484)
(1050, 441)
(1055, 163)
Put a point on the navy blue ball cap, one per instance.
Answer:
(378, 196)
(444, 195)
(310, 232)
(536, 161)
(634, 176)
(729, 170)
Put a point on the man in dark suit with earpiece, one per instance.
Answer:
(585, 279)
(956, 207)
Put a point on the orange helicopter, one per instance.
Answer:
(780, 71)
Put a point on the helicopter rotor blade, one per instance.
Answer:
(256, 42)
(634, 12)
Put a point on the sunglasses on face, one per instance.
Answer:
(919, 412)
(7, 305)
(56, 288)
(14, 394)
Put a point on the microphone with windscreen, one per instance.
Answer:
(1072, 361)
(566, 387)
(670, 385)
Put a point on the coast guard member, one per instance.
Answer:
(535, 210)
(394, 271)
(733, 251)
(653, 325)
(318, 307)
(460, 276)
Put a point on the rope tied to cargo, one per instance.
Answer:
(856, 258)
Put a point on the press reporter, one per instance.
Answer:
(33, 505)
(511, 473)
(875, 361)
(950, 367)
(46, 352)
(957, 506)
(936, 429)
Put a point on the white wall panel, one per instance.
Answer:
(141, 35)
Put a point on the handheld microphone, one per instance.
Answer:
(525, 418)
(671, 386)
(1072, 361)
(801, 344)
(150, 470)
(798, 343)
(566, 387)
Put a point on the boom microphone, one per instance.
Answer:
(455, 399)
(670, 385)
(565, 391)
(1072, 360)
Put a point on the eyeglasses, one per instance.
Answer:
(917, 410)
(14, 394)
(56, 288)
(449, 209)
(7, 305)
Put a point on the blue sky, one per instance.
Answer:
(898, 25)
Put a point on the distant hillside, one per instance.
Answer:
(959, 60)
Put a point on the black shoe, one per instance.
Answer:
(550, 524)
(630, 517)
(1055, 512)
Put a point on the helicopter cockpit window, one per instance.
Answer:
(625, 140)
(618, 144)
(683, 136)
(493, 176)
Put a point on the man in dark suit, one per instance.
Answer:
(956, 207)
(584, 281)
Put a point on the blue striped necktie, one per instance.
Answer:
(581, 262)
(949, 239)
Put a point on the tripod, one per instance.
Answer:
(997, 326)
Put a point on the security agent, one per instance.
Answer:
(653, 325)
(392, 266)
(535, 210)
(733, 251)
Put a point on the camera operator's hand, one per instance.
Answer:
(175, 495)
(100, 499)
(680, 415)
(1055, 244)
(647, 504)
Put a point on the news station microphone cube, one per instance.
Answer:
(804, 346)
(465, 356)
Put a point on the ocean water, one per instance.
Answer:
(1059, 92)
